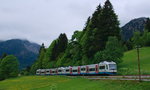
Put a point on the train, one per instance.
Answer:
(102, 68)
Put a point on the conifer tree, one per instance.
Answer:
(109, 24)
(55, 51)
(147, 26)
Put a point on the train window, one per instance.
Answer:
(82, 69)
(47, 71)
(106, 66)
(112, 66)
(53, 71)
(42, 72)
(59, 70)
(74, 70)
(101, 67)
(92, 69)
(67, 70)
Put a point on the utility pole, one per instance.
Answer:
(138, 62)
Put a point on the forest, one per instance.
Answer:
(100, 40)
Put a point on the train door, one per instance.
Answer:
(50, 71)
(70, 70)
(78, 70)
(96, 68)
(56, 71)
(87, 69)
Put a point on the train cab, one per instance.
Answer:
(42, 72)
(109, 68)
(38, 72)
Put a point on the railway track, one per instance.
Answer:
(132, 77)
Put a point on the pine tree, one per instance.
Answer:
(108, 26)
(55, 51)
(95, 18)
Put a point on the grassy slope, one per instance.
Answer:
(129, 65)
(66, 83)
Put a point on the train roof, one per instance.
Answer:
(107, 62)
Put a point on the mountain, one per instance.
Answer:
(25, 51)
(134, 25)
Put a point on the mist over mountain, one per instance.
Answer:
(25, 51)
(128, 29)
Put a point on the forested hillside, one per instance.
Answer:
(99, 40)
(85, 46)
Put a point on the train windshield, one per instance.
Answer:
(112, 66)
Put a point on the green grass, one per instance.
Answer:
(130, 65)
(66, 83)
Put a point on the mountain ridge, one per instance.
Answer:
(24, 50)
(133, 25)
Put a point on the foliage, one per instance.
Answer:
(72, 55)
(147, 26)
(9, 67)
(146, 38)
(82, 47)
(103, 23)
(113, 51)
(129, 44)
(137, 40)
(48, 57)
(39, 62)
(141, 39)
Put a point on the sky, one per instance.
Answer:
(41, 21)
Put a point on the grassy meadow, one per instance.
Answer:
(67, 83)
(130, 65)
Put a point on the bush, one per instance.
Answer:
(9, 67)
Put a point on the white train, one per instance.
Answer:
(105, 67)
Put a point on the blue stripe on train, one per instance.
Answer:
(109, 73)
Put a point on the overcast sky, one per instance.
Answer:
(42, 21)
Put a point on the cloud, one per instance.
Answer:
(43, 20)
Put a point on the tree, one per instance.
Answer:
(55, 51)
(3, 55)
(9, 67)
(38, 64)
(113, 51)
(108, 26)
(104, 23)
(147, 26)
(137, 40)
(146, 38)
